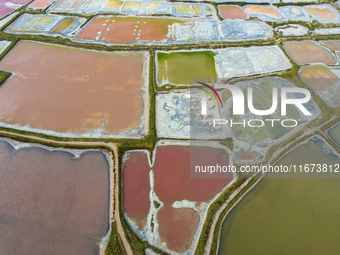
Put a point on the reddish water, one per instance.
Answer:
(4, 10)
(129, 29)
(136, 188)
(177, 227)
(305, 52)
(51, 203)
(172, 183)
(41, 4)
(232, 12)
(63, 89)
(172, 173)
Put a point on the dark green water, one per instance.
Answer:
(287, 216)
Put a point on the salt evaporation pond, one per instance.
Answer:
(104, 95)
(287, 215)
(4, 45)
(40, 4)
(318, 77)
(45, 24)
(335, 133)
(295, 13)
(265, 13)
(332, 44)
(305, 52)
(168, 184)
(231, 12)
(262, 94)
(178, 68)
(185, 68)
(148, 30)
(52, 202)
(323, 13)
(238, 30)
(7, 7)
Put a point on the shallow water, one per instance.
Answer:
(231, 12)
(287, 216)
(51, 202)
(305, 52)
(335, 133)
(72, 90)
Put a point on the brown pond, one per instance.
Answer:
(266, 10)
(177, 227)
(51, 202)
(305, 52)
(129, 29)
(64, 89)
(136, 188)
(333, 44)
(231, 12)
(322, 13)
(318, 77)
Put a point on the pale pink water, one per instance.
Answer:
(52, 203)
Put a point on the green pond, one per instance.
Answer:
(287, 216)
(335, 133)
(179, 68)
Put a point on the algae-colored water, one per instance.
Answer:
(287, 216)
(63, 25)
(335, 133)
(179, 68)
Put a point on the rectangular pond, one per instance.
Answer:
(52, 201)
(71, 92)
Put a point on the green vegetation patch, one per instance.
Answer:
(115, 245)
(178, 68)
(4, 76)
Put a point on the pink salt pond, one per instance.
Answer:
(172, 182)
(7, 7)
(136, 188)
(40, 4)
(231, 12)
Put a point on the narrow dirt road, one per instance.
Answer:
(113, 146)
